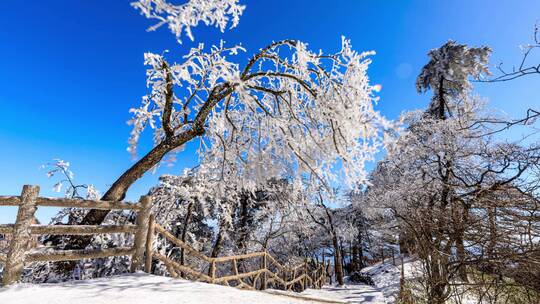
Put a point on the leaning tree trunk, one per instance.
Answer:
(117, 192)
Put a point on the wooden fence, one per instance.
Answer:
(265, 271)
(20, 251)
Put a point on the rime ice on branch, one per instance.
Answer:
(287, 107)
(183, 17)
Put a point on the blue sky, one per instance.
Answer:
(71, 69)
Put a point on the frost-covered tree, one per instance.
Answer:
(60, 169)
(319, 211)
(448, 74)
(220, 219)
(184, 207)
(307, 109)
(181, 18)
(454, 231)
(433, 182)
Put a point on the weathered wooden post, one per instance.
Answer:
(293, 277)
(213, 271)
(265, 267)
(143, 218)
(149, 244)
(305, 273)
(21, 235)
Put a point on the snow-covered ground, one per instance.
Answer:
(137, 288)
(349, 293)
(141, 288)
(386, 276)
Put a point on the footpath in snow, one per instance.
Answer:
(348, 293)
(386, 276)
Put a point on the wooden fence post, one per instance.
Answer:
(264, 265)
(213, 271)
(149, 244)
(305, 274)
(143, 217)
(21, 235)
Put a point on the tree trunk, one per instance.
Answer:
(361, 264)
(492, 219)
(117, 192)
(436, 281)
(460, 250)
(338, 269)
(184, 233)
(243, 229)
(442, 103)
(460, 222)
(215, 250)
(343, 256)
(355, 262)
(217, 245)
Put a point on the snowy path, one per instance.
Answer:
(349, 293)
(143, 288)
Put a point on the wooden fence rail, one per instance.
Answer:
(20, 251)
(221, 270)
(298, 277)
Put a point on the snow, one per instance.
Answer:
(142, 288)
(349, 293)
(386, 276)
(134, 289)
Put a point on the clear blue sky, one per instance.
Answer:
(71, 69)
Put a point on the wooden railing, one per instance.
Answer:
(267, 272)
(20, 246)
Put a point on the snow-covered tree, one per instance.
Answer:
(450, 229)
(448, 74)
(433, 181)
(303, 111)
(181, 18)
